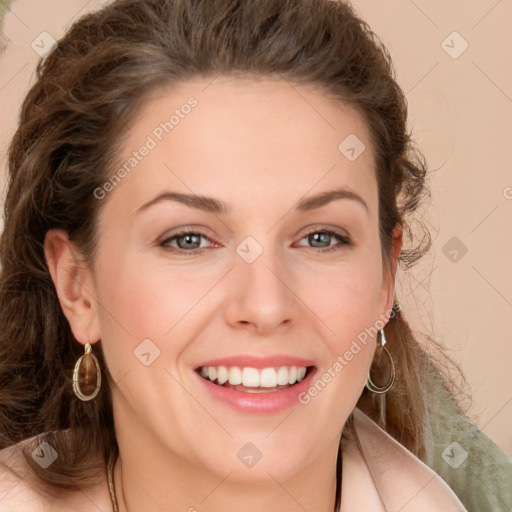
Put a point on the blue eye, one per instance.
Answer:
(325, 237)
(189, 241)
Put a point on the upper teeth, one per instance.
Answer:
(252, 377)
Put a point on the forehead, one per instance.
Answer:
(260, 137)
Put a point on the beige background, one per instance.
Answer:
(461, 116)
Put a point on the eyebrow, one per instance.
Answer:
(212, 205)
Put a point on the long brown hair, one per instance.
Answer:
(71, 125)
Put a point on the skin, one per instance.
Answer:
(260, 146)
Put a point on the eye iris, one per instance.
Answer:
(320, 237)
(189, 239)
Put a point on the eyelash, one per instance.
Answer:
(344, 241)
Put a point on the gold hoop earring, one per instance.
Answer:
(87, 375)
(370, 385)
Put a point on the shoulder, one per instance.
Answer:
(17, 492)
(469, 461)
(22, 491)
(391, 473)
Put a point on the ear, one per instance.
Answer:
(388, 284)
(74, 286)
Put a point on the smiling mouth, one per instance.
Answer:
(255, 380)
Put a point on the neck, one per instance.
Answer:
(156, 471)
(139, 485)
(134, 492)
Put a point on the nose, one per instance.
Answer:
(261, 295)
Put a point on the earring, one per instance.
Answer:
(370, 385)
(87, 375)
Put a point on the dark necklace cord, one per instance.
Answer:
(360, 448)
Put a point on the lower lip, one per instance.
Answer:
(258, 403)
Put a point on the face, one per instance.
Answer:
(218, 259)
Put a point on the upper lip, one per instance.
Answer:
(245, 361)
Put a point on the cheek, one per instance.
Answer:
(346, 297)
(347, 305)
(346, 300)
(142, 300)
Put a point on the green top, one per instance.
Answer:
(477, 470)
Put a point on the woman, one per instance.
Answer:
(206, 211)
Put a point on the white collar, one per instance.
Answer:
(403, 481)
